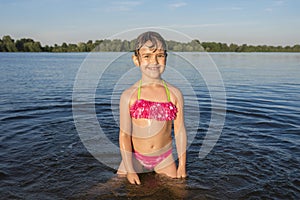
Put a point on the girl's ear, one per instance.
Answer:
(135, 60)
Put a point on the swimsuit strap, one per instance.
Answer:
(167, 90)
(165, 85)
(139, 89)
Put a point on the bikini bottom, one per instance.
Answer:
(150, 162)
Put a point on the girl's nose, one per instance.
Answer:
(154, 59)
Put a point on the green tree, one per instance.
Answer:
(2, 49)
(9, 44)
(20, 45)
(233, 47)
(171, 44)
(125, 46)
(116, 45)
(72, 48)
(64, 47)
(242, 48)
(82, 47)
(178, 47)
(89, 46)
(97, 45)
(188, 48)
(196, 45)
(296, 48)
(132, 45)
(47, 48)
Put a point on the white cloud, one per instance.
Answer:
(269, 9)
(192, 25)
(279, 3)
(275, 5)
(230, 8)
(237, 8)
(124, 5)
(177, 5)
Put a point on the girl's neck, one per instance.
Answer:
(146, 80)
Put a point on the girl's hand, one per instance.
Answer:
(133, 178)
(181, 172)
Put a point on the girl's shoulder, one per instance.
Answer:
(129, 92)
(173, 89)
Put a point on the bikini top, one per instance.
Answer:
(161, 111)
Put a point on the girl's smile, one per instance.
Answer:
(154, 68)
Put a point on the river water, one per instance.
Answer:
(256, 156)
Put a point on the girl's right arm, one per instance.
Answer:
(125, 138)
(126, 152)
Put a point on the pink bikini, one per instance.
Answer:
(161, 111)
(149, 162)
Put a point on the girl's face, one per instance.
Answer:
(152, 61)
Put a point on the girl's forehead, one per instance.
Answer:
(149, 46)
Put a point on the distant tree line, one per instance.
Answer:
(7, 44)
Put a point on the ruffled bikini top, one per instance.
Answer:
(161, 111)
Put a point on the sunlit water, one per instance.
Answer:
(256, 157)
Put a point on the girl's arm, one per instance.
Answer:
(180, 136)
(125, 139)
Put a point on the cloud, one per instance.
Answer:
(177, 5)
(269, 9)
(279, 3)
(123, 5)
(236, 8)
(230, 8)
(275, 5)
(192, 25)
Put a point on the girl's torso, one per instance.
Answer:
(149, 135)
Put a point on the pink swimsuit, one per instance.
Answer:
(149, 162)
(161, 111)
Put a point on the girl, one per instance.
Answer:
(147, 110)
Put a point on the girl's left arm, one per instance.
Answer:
(180, 136)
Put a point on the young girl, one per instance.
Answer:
(147, 110)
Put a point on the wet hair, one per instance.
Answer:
(155, 38)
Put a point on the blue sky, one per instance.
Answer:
(270, 22)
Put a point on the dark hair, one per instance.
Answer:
(154, 37)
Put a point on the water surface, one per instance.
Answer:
(256, 157)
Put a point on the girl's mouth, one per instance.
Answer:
(154, 68)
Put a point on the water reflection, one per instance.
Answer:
(153, 186)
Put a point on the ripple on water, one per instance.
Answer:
(256, 156)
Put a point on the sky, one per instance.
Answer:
(253, 22)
